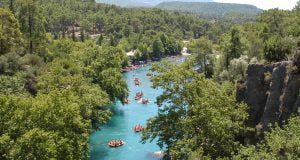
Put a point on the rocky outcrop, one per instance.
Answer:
(272, 93)
(271, 111)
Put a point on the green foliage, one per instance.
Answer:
(48, 127)
(11, 43)
(231, 45)
(253, 41)
(157, 48)
(277, 48)
(10, 34)
(280, 143)
(235, 48)
(236, 70)
(202, 48)
(12, 84)
(63, 18)
(194, 114)
(111, 81)
(271, 38)
(224, 12)
(51, 98)
(72, 84)
(273, 18)
(144, 52)
(32, 25)
(38, 143)
(90, 72)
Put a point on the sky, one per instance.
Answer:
(265, 4)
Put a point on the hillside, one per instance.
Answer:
(123, 3)
(226, 12)
(210, 7)
(143, 3)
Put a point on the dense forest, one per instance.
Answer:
(225, 12)
(60, 71)
(60, 66)
(142, 3)
(200, 115)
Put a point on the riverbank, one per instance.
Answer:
(139, 64)
(124, 119)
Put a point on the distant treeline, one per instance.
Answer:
(224, 12)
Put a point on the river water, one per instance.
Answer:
(124, 119)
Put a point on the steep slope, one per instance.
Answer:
(272, 92)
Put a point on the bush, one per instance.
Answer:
(277, 48)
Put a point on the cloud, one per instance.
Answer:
(265, 4)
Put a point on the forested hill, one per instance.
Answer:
(229, 11)
(212, 8)
(143, 3)
(124, 3)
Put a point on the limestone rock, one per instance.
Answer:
(272, 93)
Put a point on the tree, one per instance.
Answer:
(273, 18)
(157, 48)
(143, 48)
(202, 48)
(171, 47)
(113, 40)
(100, 40)
(63, 75)
(100, 23)
(11, 5)
(12, 84)
(235, 44)
(111, 81)
(298, 5)
(237, 68)
(10, 34)
(105, 71)
(194, 114)
(40, 144)
(277, 48)
(280, 143)
(32, 25)
(254, 37)
(47, 126)
(9, 63)
(233, 48)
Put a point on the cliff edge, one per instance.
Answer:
(271, 91)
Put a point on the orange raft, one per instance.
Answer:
(137, 82)
(145, 101)
(138, 128)
(115, 143)
(139, 95)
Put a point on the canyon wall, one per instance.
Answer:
(272, 93)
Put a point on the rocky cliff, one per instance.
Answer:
(271, 91)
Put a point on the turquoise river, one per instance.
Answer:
(124, 119)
